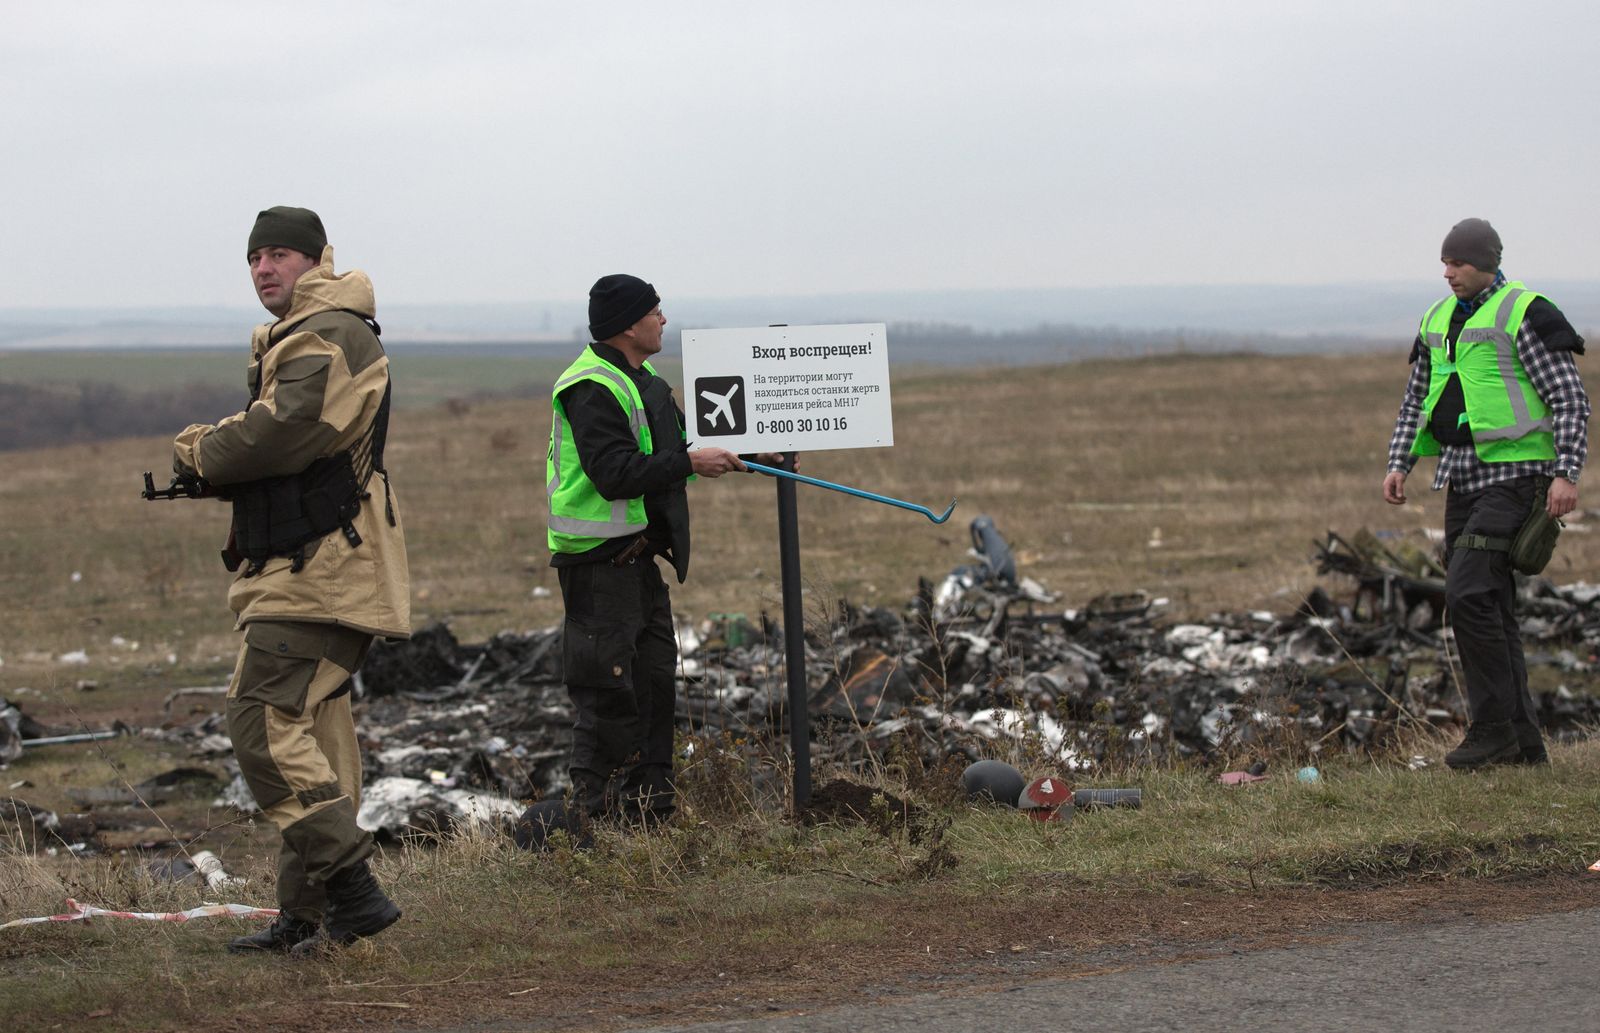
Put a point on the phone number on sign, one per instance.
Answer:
(804, 425)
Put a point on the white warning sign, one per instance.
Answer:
(788, 388)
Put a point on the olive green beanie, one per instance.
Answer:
(297, 228)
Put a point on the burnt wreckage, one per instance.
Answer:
(983, 656)
(980, 663)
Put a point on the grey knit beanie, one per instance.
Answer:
(1475, 242)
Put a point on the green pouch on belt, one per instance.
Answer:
(1534, 543)
(1536, 539)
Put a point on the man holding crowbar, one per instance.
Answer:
(615, 473)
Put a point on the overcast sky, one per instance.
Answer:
(480, 151)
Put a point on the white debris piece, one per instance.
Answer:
(1210, 650)
(1028, 588)
(1214, 724)
(998, 722)
(216, 745)
(404, 806)
(237, 796)
(1192, 635)
(1152, 726)
(209, 866)
(1165, 667)
(1581, 592)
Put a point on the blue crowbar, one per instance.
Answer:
(938, 518)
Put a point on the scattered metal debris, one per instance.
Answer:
(60, 740)
(190, 781)
(983, 661)
(985, 656)
(1047, 799)
(993, 781)
(18, 731)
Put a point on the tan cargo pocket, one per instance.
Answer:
(596, 655)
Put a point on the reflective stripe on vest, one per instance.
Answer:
(579, 526)
(635, 415)
(615, 527)
(1527, 413)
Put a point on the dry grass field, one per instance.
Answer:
(1203, 479)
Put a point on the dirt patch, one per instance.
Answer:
(843, 802)
(933, 941)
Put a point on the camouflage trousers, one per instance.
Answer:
(288, 715)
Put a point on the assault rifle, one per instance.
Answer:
(183, 486)
(191, 486)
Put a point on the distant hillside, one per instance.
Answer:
(1318, 316)
(36, 416)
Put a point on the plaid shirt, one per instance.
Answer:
(1554, 375)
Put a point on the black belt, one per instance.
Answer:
(640, 547)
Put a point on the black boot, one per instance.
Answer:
(357, 907)
(281, 935)
(1530, 745)
(1533, 756)
(1485, 744)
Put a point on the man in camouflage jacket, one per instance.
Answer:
(309, 609)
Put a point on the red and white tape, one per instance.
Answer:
(78, 912)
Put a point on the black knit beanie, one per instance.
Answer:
(1475, 242)
(297, 228)
(618, 301)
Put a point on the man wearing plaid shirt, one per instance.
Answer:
(1495, 393)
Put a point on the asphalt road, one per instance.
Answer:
(1537, 974)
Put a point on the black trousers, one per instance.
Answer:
(620, 655)
(1481, 595)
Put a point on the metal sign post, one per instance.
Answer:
(789, 389)
(794, 634)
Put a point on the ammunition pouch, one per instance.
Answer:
(280, 516)
(1534, 543)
